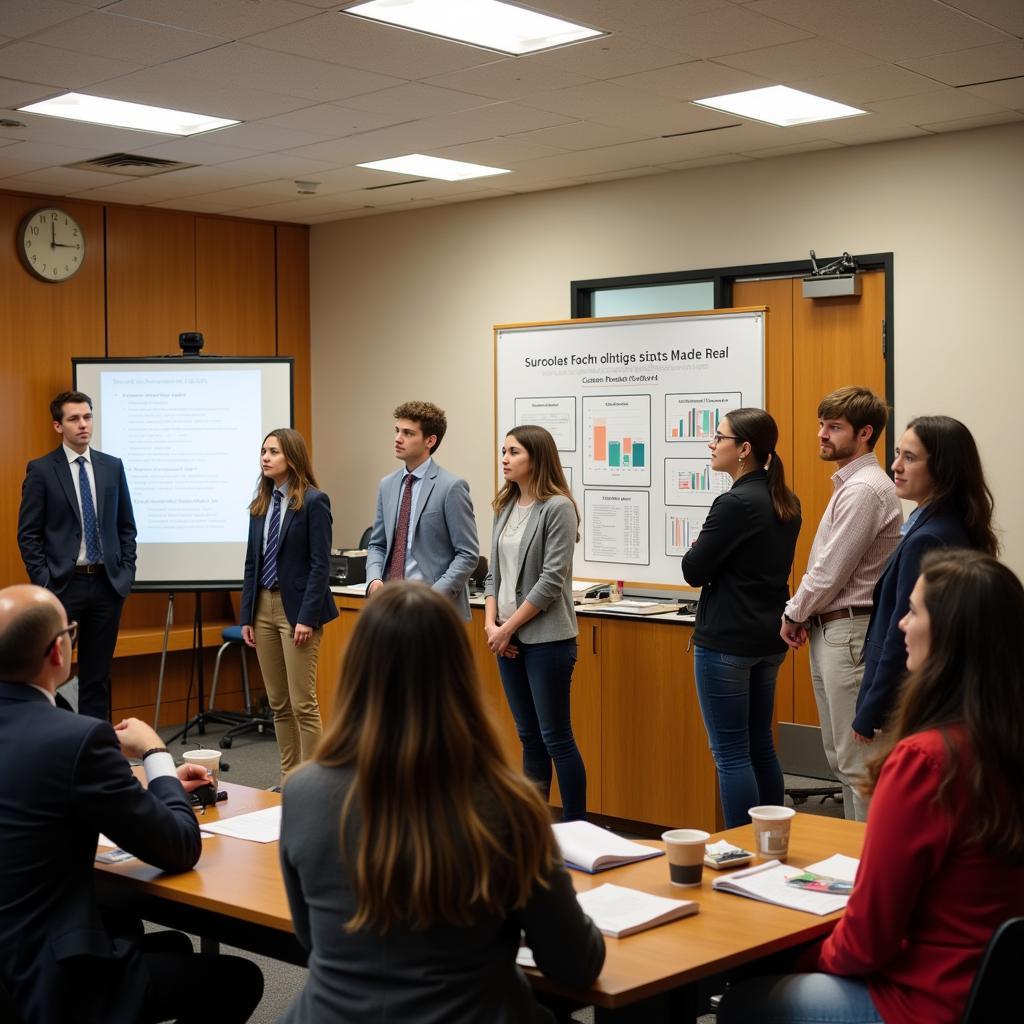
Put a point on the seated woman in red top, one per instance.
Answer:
(943, 859)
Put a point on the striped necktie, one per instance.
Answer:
(93, 551)
(268, 573)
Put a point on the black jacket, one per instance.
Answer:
(741, 561)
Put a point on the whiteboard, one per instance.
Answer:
(632, 404)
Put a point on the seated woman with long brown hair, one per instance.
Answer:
(413, 854)
(943, 859)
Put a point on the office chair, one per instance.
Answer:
(249, 719)
(365, 539)
(996, 988)
(8, 1012)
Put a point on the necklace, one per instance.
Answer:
(517, 520)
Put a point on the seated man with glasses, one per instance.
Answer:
(64, 779)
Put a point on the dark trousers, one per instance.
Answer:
(195, 988)
(537, 683)
(96, 606)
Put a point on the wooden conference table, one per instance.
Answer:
(236, 896)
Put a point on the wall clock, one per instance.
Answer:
(51, 244)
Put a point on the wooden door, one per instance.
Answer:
(814, 347)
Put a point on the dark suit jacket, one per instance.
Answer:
(439, 975)
(63, 779)
(741, 561)
(885, 654)
(303, 563)
(50, 527)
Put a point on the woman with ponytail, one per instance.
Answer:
(741, 561)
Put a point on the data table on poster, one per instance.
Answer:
(633, 404)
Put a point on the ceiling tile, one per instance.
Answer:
(260, 136)
(283, 73)
(724, 30)
(23, 17)
(928, 107)
(95, 139)
(629, 172)
(711, 161)
(582, 135)
(801, 59)
(195, 204)
(884, 82)
(791, 150)
(165, 86)
(333, 121)
(910, 28)
(66, 179)
(301, 209)
(61, 69)
(509, 79)
(281, 165)
(1007, 94)
(614, 15)
(978, 64)
(1005, 14)
(233, 19)
(416, 99)
(982, 121)
(693, 80)
(748, 135)
(106, 35)
(609, 57)
(357, 43)
(197, 149)
(498, 152)
(17, 94)
(856, 131)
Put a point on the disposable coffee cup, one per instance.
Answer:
(772, 825)
(685, 850)
(208, 759)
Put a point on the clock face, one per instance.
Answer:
(51, 244)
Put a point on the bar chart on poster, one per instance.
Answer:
(632, 404)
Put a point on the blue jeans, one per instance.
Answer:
(736, 696)
(537, 685)
(799, 999)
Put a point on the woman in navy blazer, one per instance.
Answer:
(286, 597)
(938, 466)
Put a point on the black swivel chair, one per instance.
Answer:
(365, 539)
(996, 988)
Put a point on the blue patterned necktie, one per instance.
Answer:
(268, 574)
(93, 552)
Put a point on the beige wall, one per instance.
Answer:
(402, 305)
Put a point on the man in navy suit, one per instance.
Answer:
(64, 778)
(76, 531)
(427, 510)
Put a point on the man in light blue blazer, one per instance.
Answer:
(424, 528)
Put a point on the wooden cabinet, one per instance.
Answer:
(634, 713)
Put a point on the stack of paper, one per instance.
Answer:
(618, 911)
(589, 848)
(767, 882)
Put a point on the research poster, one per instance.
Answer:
(632, 405)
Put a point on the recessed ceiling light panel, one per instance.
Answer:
(780, 105)
(489, 23)
(121, 114)
(434, 167)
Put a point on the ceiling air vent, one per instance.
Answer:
(130, 165)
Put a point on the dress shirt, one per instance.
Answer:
(859, 530)
(412, 570)
(72, 457)
(270, 508)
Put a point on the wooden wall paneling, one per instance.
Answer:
(236, 304)
(337, 634)
(835, 342)
(777, 295)
(151, 280)
(42, 326)
(292, 252)
(493, 692)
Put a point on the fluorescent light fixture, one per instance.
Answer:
(489, 23)
(778, 104)
(421, 166)
(121, 114)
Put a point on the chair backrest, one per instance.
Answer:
(8, 1012)
(365, 539)
(996, 987)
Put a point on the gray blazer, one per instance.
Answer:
(440, 975)
(444, 539)
(545, 569)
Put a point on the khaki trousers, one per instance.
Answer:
(289, 674)
(837, 668)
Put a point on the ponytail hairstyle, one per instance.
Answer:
(972, 679)
(761, 432)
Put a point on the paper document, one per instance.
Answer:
(258, 826)
(587, 847)
(767, 882)
(618, 911)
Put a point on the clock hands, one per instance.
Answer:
(62, 245)
(53, 236)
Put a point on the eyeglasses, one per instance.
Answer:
(72, 631)
(719, 438)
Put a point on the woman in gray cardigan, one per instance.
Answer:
(529, 618)
(413, 854)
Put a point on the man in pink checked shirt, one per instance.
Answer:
(857, 533)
